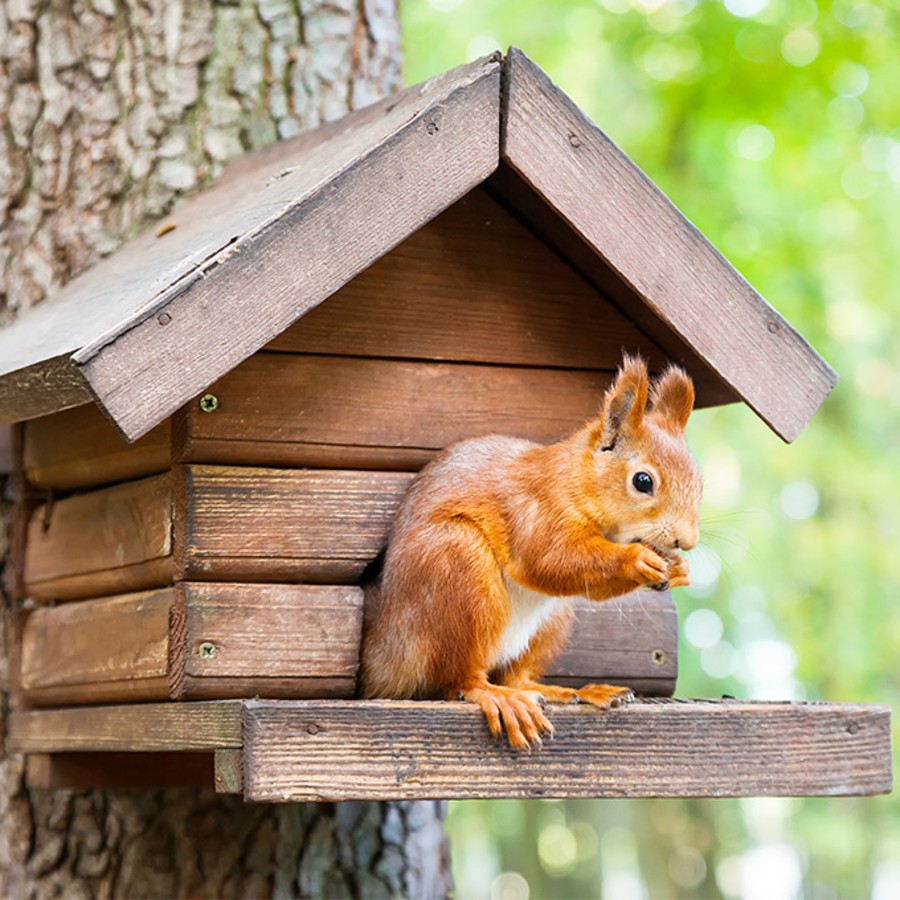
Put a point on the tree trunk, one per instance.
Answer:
(110, 110)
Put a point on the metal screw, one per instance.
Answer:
(164, 318)
(853, 728)
(432, 128)
(658, 657)
(207, 650)
(209, 403)
(773, 328)
(312, 729)
(574, 140)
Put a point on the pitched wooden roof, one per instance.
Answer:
(150, 327)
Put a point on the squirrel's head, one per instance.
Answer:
(646, 484)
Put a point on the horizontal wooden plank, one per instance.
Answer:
(80, 448)
(114, 539)
(134, 727)
(268, 640)
(98, 651)
(293, 400)
(299, 454)
(471, 285)
(117, 771)
(375, 750)
(632, 640)
(252, 524)
(651, 248)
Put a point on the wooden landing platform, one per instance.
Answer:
(329, 750)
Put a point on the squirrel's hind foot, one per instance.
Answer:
(605, 696)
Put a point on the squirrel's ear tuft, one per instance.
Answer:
(624, 403)
(672, 399)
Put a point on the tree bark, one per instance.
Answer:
(110, 110)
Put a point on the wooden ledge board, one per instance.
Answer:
(156, 727)
(377, 750)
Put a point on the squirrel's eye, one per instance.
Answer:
(643, 483)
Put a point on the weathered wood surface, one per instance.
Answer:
(342, 206)
(394, 165)
(98, 651)
(229, 771)
(119, 770)
(111, 540)
(236, 640)
(632, 640)
(472, 285)
(6, 449)
(252, 524)
(147, 727)
(650, 246)
(373, 750)
(195, 641)
(49, 385)
(80, 448)
(279, 407)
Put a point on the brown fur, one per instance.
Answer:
(494, 517)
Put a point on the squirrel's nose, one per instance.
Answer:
(687, 538)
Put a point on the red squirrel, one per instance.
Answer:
(496, 534)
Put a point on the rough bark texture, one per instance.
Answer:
(110, 110)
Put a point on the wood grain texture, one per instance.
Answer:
(265, 640)
(657, 252)
(632, 640)
(376, 750)
(134, 727)
(351, 201)
(47, 386)
(472, 285)
(110, 540)
(118, 771)
(80, 448)
(230, 218)
(294, 401)
(98, 651)
(229, 772)
(252, 524)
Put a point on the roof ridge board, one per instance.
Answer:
(583, 151)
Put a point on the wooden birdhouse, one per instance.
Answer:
(218, 422)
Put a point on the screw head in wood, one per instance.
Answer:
(209, 403)
(658, 657)
(207, 650)
(164, 318)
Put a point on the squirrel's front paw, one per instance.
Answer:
(645, 566)
(679, 572)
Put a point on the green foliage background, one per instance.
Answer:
(775, 127)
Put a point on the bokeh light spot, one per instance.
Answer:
(799, 500)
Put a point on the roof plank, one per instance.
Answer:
(363, 193)
(382, 171)
(657, 252)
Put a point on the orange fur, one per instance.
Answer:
(496, 532)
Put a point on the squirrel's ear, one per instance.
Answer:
(672, 399)
(624, 403)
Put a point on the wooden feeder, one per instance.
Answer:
(218, 422)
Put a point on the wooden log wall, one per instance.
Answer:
(200, 640)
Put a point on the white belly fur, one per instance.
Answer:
(528, 611)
